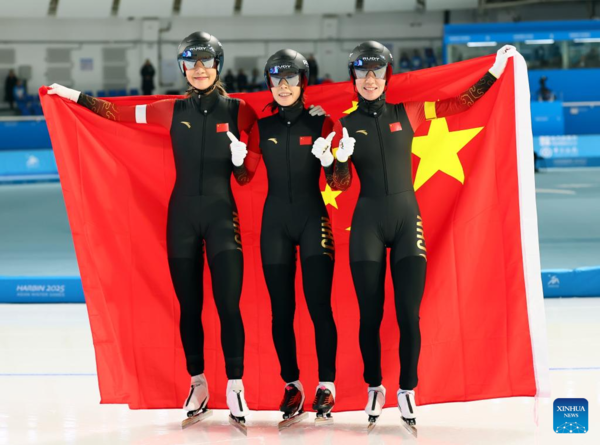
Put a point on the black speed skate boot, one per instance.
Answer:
(323, 403)
(292, 405)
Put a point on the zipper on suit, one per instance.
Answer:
(385, 179)
(202, 152)
(289, 167)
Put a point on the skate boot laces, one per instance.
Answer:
(291, 398)
(323, 398)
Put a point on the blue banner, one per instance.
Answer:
(521, 32)
(24, 134)
(547, 118)
(41, 290)
(580, 282)
(568, 151)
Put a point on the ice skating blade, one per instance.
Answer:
(292, 421)
(323, 421)
(239, 425)
(410, 428)
(196, 418)
(371, 426)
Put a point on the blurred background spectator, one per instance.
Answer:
(314, 70)
(9, 85)
(545, 94)
(147, 72)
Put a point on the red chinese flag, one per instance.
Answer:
(482, 319)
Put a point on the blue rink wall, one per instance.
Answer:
(41, 290)
(27, 159)
(581, 282)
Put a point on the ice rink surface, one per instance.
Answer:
(49, 394)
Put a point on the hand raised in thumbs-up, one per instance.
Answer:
(346, 146)
(322, 150)
(238, 150)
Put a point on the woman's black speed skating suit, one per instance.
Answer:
(294, 216)
(202, 213)
(387, 216)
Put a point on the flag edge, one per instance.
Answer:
(529, 229)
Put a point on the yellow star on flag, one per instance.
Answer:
(439, 151)
(330, 195)
(354, 107)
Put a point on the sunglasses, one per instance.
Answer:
(293, 80)
(190, 64)
(362, 73)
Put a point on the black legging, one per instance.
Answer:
(408, 276)
(211, 222)
(392, 221)
(285, 227)
(186, 275)
(317, 273)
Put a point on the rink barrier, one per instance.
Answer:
(41, 290)
(581, 282)
(24, 133)
(27, 165)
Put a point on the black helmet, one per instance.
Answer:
(200, 45)
(285, 63)
(370, 56)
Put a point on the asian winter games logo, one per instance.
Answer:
(570, 416)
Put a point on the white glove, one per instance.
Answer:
(238, 150)
(502, 57)
(322, 150)
(346, 146)
(316, 111)
(65, 92)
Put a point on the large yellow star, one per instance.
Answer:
(354, 107)
(330, 195)
(439, 151)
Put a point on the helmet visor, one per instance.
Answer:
(188, 59)
(362, 67)
(278, 73)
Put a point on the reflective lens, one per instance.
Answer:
(293, 80)
(189, 64)
(379, 73)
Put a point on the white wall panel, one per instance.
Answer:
(99, 9)
(24, 8)
(330, 39)
(437, 5)
(145, 8)
(328, 7)
(268, 7)
(206, 8)
(389, 5)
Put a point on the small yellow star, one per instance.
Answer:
(439, 151)
(354, 107)
(330, 195)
